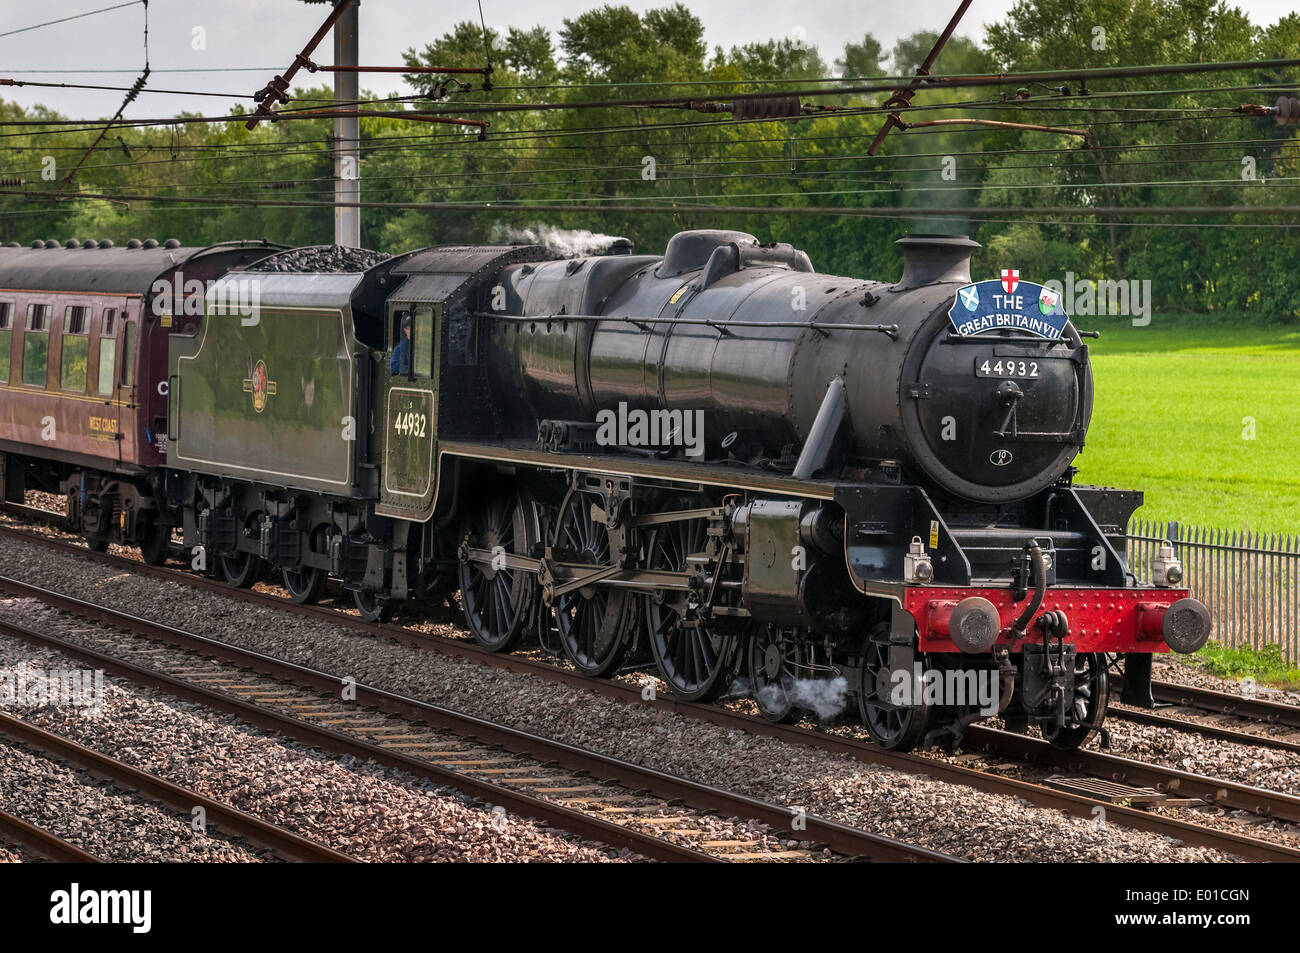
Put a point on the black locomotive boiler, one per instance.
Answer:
(717, 460)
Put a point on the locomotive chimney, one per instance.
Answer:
(928, 259)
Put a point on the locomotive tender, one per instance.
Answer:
(872, 502)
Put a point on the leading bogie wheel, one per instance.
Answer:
(775, 657)
(1091, 691)
(242, 569)
(891, 722)
(374, 607)
(155, 541)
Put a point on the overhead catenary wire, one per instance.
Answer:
(896, 163)
(811, 210)
(931, 106)
(929, 82)
(523, 135)
(513, 146)
(17, 213)
(76, 16)
(668, 164)
(4, 81)
(126, 101)
(512, 137)
(1272, 183)
(376, 145)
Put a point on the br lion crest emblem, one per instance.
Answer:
(260, 386)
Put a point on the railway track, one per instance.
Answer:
(1197, 722)
(1115, 774)
(595, 796)
(222, 817)
(1185, 785)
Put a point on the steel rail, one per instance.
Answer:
(18, 831)
(1225, 703)
(1231, 794)
(1143, 716)
(225, 818)
(1040, 795)
(24, 511)
(839, 837)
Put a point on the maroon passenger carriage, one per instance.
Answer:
(84, 328)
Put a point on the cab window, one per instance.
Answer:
(422, 339)
(76, 348)
(36, 344)
(6, 338)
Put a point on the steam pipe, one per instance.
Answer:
(1038, 573)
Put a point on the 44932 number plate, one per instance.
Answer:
(1008, 367)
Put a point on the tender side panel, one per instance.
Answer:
(271, 400)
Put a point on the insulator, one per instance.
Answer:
(767, 107)
(138, 85)
(1288, 111)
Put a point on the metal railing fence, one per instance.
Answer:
(1249, 581)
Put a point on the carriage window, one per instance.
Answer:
(107, 352)
(36, 344)
(75, 319)
(76, 347)
(422, 339)
(6, 338)
(38, 317)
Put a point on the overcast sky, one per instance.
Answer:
(267, 33)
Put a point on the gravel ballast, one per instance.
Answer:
(111, 824)
(354, 806)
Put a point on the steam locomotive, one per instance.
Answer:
(716, 460)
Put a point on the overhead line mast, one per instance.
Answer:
(347, 131)
(902, 97)
(346, 139)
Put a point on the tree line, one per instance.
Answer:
(1171, 140)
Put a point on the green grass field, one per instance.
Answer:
(1266, 665)
(1169, 419)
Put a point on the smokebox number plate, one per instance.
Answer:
(1008, 367)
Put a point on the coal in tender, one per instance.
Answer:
(328, 259)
